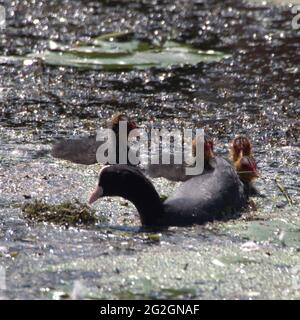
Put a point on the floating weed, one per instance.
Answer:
(66, 213)
(163, 197)
(182, 293)
(14, 254)
(154, 237)
(277, 231)
(108, 52)
(165, 293)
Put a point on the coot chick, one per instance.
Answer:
(83, 150)
(177, 172)
(240, 153)
(239, 146)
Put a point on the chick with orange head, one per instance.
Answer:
(83, 149)
(240, 154)
(117, 118)
(240, 146)
(208, 149)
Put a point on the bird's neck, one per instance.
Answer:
(247, 177)
(150, 210)
(146, 200)
(251, 190)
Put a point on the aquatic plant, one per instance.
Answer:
(66, 213)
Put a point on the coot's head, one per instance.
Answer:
(130, 183)
(239, 147)
(116, 118)
(246, 168)
(123, 181)
(113, 180)
(208, 148)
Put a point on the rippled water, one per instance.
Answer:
(255, 90)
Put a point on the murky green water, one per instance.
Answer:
(253, 89)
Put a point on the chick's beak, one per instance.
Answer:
(96, 194)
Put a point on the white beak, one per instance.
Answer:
(96, 194)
